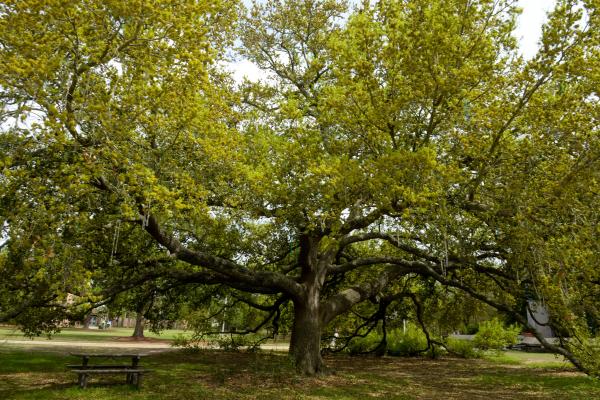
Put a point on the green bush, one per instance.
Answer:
(407, 343)
(363, 344)
(492, 335)
(399, 343)
(231, 343)
(463, 348)
(188, 344)
(180, 340)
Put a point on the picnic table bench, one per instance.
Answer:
(133, 372)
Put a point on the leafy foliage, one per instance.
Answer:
(408, 343)
(493, 335)
(398, 343)
(463, 348)
(400, 141)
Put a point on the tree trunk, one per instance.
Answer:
(142, 309)
(305, 343)
(87, 320)
(138, 331)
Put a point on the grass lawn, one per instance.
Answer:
(90, 335)
(33, 374)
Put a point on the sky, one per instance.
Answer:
(529, 28)
(528, 31)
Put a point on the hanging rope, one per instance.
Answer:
(445, 264)
(444, 261)
(115, 242)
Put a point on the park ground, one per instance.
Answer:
(38, 372)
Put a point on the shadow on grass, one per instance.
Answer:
(223, 375)
(32, 361)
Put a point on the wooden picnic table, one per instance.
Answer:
(85, 369)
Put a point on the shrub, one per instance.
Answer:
(463, 348)
(399, 343)
(230, 343)
(180, 340)
(407, 343)
(363, 344)
(492, 335)
(188, 344)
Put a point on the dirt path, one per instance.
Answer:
(150, 347)
(155, 346)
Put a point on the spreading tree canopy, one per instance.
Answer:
(395, 143)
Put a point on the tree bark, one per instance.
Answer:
(305, 343)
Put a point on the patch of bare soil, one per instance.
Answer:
(131, 339)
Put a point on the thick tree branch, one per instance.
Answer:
(407, 265)
(360, 222)
(237, 276)
(344, 300)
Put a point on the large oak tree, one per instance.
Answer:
(404, 139)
